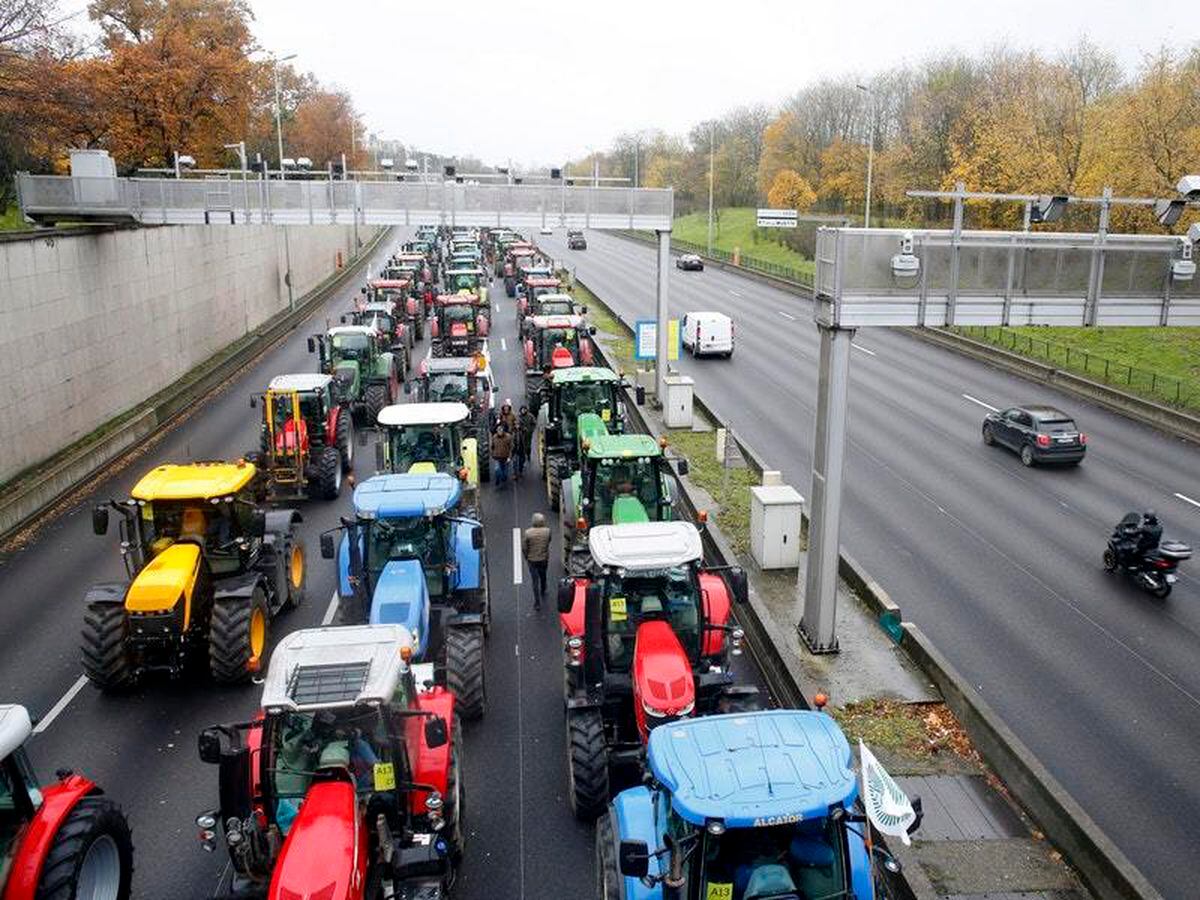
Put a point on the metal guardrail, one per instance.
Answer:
(166, 201)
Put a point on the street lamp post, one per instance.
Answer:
(279, 113)
(870, 152)
(711, 143)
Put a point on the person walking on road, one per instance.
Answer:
(526, 425)
(535, 547)
(507, 418)
(502, 446)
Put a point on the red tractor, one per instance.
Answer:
(347, 785)
(647, 639)
(533, 287)
(61, 841)
(553, 342)
(459, 327)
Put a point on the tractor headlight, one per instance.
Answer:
(206, 821)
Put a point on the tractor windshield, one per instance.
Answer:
(556, 337)
(806, 859)
(670, 594)
(398, 539)
(555, 308)
(458, 312)
(423, 443)
(351, 345)
(212, 525)
(615, 479)
(585, 397)
(464, 282)
(446, 387)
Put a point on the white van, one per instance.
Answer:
(707, 333)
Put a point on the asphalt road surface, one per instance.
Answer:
(999, 564)
(523, 841)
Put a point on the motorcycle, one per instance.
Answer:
(1152, 570)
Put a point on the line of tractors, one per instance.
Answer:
(347, 782)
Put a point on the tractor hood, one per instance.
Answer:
(345, 373)
(166, 579)
(626, 509)
(402, 598)
(324, 856)
(663, 688)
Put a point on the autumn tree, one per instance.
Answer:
(791, 191)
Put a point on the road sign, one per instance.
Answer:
(777, 218)
(645, 339)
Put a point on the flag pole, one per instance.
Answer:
(862, 777)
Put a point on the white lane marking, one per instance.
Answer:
(48, 719)
(497, 307)
(787, 316)
(980, 403)
(331, 611)
(735, 293)
(503, 344)
(517, 650)
(864, 350)
(1188, 500)
(517, 573)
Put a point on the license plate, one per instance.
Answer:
(1064, 440)
(1171, 579)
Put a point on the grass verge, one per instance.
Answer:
(735, 228)
(11, 220)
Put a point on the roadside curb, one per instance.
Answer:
(29, 496)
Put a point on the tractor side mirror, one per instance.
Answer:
(312, 345)
(253, 402)
(633, 859)
(210, 743)
(739, 584)
(100, 519)
(639, 395)
(435, 732)
(327, 549)
(258, 522)
(477, 537)
(380, 463)
(566, 594)
(684, 467)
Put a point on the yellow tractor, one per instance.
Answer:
(209, 568)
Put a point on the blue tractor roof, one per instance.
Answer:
(407, 496)
(754, 769)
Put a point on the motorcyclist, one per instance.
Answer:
(1149, 534)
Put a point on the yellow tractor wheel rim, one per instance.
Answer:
(296, 567)
(258, 634)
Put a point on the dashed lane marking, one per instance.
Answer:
(864, 350)
(787, 316)
(979, 402)
(56, 710)
(331, 610)
(1188, 500)
(518, 575)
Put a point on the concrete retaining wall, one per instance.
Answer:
(92, 325)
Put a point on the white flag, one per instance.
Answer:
(888, 807)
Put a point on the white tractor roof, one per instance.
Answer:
(645, 545)
(15, 728)
(352, 329)
(402, 414)
(308, 381)
(322, 668)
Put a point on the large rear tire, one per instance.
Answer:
(295, 569)
(238, 637)
(345, 439)
(91, 857)
(464, 669)
(376, 399)
(105, 659)
(553, 482)
(455, 801)
(587, 757)
(484, 450)
(608, 876)
(327, 485)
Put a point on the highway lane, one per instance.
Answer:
(999, 564)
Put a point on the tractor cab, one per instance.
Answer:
(553, 342)
(792, 835)
(348, 775)
(463, 379)
(68, 818)
(307, 439)
(387, 289)
(532, 288)
(570, 393)
(459, 327)
(389, 322)
(518, 255)
(365, 374)
(208, 569)
(469, 280)
(424, 438)
(553, 304)
(647, 638)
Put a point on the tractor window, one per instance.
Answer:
(555, 337)
(423, 443)
(397, 539)
(667, 594)
(310, 407)
(785, 861)
(445, 387)
(351, 345)
(618, 478)
(555, 308)
(459, 312)
(465, 282)
(576, 399)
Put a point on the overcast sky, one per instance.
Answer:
(544, 81)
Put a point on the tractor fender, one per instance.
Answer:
(282, 521)
(238, 586)
(464, 620)
(331, 423)
(58, 800)
(107, 593)
(717, 605)
(468, 560)
(529, 353)
(572, 622)
(431, 765)
(586, 356)
(633, 820)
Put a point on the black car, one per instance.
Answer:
(576, 240)
(689, 262)
(1039, 434)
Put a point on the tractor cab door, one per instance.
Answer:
(18, 800)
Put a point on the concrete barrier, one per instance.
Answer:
(39, 487)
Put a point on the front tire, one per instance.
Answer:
(376, 399)
(587, 757)
(345, 439)
(1110, 560)
(238, 637)
(328, 481)
(91, 857)
(295, 568)
(608, 876)
(455, 803)
(464, 669)
(105, 659)
(553, 483)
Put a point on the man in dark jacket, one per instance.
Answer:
(526, 425)
(535, 547)
(502, 446)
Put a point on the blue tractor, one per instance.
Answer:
(405, 558)
(744, 806)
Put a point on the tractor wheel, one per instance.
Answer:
(105, 660)
(345, 439)
(91, 857)
(377, 399)
(553, 483)
(295, 567)
(608, 876)
(438, 349)
(238, 637)
(588, 758)
(464, 669)
(484, 450)
(327, 485)
(455, 801)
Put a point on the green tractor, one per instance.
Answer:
(621, 479)
(366, 375)
(570, 393)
